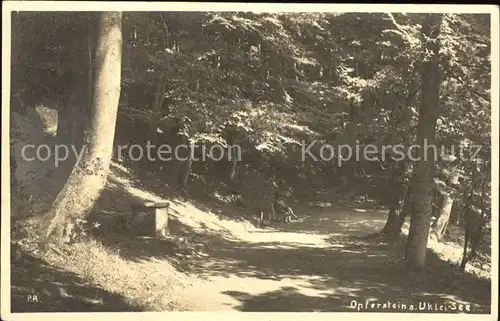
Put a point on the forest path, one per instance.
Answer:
(322, 263)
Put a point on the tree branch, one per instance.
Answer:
(166, 31)
(398, 26)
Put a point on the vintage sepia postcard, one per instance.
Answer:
(186, 160)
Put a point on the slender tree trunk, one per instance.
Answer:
(159, 94)
(393, 217)
(185, 171)
(455, 216)
(422, 180)
(437, 201)
(234, 169)
(443, 217)
(395, 222)
(405, 212)
(443, 213)
(464, 254)
(392, 226)
(89, 175)
(184, 161)
(474, 225)
(467, 225)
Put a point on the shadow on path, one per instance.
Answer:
(332, 270)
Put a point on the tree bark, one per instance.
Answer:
(422, 180)
(89, 175)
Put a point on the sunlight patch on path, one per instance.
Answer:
(226, 293)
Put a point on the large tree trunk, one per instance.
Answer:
(422, 180)
(89, 175)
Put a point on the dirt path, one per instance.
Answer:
(321, 264)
